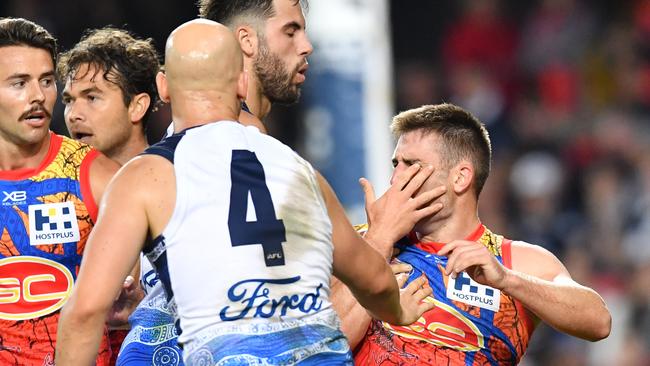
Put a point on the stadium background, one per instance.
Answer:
(563, 85)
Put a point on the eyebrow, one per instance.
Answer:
(407, 161)
(84, 92)
(293, 24)
(28, 76)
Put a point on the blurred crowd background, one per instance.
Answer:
(564, 88)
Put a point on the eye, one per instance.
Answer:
(19, 84)
(47, 82)
(91, 97)
(65, 100)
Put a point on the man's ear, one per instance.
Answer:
(161, 84)
(139, 106)
(248, 41)
(462, 176)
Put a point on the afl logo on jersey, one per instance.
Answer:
(53, 223)
(31, 287)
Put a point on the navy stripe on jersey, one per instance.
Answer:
(162, 268)
(245, 108)
(160, 263)
(166, 147)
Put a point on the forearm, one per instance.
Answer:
(354, 317)
(563, 304)
(381, 299)
(379, 242)
(78, 336)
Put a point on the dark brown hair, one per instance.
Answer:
(128, 62)
(228, 11)
(22, 32)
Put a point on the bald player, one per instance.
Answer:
(226, 207)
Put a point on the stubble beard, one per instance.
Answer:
(275, 80)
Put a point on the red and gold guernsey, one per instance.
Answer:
(471, 324)
(46, 216)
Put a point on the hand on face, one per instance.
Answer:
(394, 214)
(476, 260)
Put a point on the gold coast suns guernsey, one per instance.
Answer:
(471, 324)
(46, 216)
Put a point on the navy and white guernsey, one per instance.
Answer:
(247, 254)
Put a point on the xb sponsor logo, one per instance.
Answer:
(53, 223)
(31, 287)
(14, 198)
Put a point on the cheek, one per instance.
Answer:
(50, 98)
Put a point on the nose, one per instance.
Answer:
(306, 47)
(396, 172)
(71, 114)
(37, 95)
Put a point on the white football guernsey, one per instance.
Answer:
(247, 255)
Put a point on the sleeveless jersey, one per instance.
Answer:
(46, 216)
(153, 338)
(472, 324)
(247, 255)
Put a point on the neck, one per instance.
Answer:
(195, 109)
(458, 225)
(14, 156)
(257, 102)
(137, 143)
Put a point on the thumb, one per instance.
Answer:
(368, 191)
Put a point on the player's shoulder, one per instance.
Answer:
(534, 260)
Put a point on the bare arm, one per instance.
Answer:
(540, 282)
(553, 296)
(390, 217)
(367, 273)
(111, 252)
(354, 317)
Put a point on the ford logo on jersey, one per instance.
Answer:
(257, 296)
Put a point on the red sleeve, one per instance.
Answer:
(506, 253)
(84, 182)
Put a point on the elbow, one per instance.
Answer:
(603, 327)
(79, 311)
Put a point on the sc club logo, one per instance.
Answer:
(53, 223)
(31, 287)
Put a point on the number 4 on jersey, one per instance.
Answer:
(247, 175)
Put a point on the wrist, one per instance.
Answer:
(380, 243)
(510, 281)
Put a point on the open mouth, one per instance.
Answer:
(81, 135)
(300, 74)
(37, 116)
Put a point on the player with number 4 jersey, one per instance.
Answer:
(269, 269)
(243, 229)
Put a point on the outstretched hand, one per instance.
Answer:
(411, 300)
(394, 214)
(476, 260)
